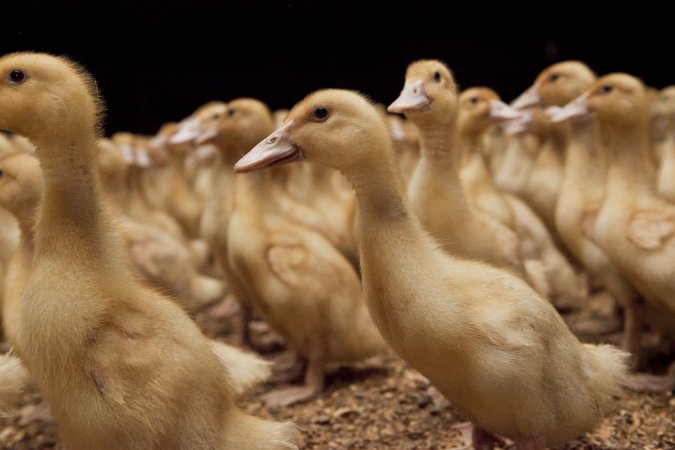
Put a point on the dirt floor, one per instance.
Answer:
(384, 404)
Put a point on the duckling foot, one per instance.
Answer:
(35, 413)
(477, 438)
(289, 396)
(287, 368)
(438, 401)
(224, 309)
(645, 382)
(315, 377)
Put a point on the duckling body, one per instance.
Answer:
(665, 148)
(436, 194)
(479, 108)
(501, 353)
(291, 271)
(20, 189)
(120, 365)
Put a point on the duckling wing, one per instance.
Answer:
(314, 265)
(650, 230)
(287, 261)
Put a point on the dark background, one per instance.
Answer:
(156, 61)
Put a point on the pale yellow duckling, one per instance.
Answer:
(581, 196)
(119, 365)
(20, 191)
(182, 202)
(479, 109)
(290, 271)
(13, 376)
(406, 143)
(158, 257)
(634, 226)
(484, 338)
(557, 85)
(429, 100)
(665, 148)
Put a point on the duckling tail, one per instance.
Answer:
(252, 433)
(13, 376)
(610, 371)
(246, 370)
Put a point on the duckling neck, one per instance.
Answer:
(72, 219)
(631, 167)
(253, 191)
(440, 144)
(437, 173)
(585, 163)
(395, 253)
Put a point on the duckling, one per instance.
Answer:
(120, 365)
(429, 100)
(634, 226)
(20, 190)
(158, 257)
(479, 108)
(407, 144)
(555, 86)
(182, 202)
(581, 196)
(13, 376)
(665, 148)
(484, 338)
(291, 271)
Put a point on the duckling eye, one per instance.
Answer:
(16, 76)
(231, 112)
(1, 173)
(474, 100)
(320, 113)
(437, 76)
(606, 89)
(554, 77)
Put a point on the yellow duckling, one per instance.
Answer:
(429, 100)
(665, 148)
(634, 226)
(20, 191)
(484, 338)
(479, 109)
(119, 365)
(555, 86)
(290, 271)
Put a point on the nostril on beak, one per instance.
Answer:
(272, 140)
(415, 91)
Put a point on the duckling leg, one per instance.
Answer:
(645, 382)
(476, 438)
(287, 368)
(245, 316)
(633, 324)
(315, 378)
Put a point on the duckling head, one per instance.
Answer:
(557, 85)
(189, 129)
(20, 184)
(617, 100)
(244, 123)
(337, 128)
(663, 110)
(429, 94)
(47, 98)
(480, 107)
